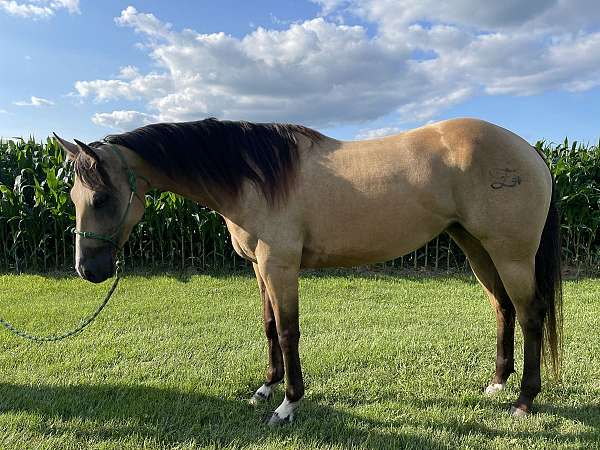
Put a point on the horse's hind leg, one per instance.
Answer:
(488, 277)
(518, 277)
(275, 372)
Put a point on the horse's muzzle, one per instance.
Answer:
(97, 264)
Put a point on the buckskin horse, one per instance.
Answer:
(293, 198)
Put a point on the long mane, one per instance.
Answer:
(223, 154)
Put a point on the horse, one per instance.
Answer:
(293, 198)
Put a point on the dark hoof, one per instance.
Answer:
(257, 398)
(518, 412)
(276, 420)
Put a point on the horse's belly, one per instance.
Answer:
(364, 243)
(316, 259)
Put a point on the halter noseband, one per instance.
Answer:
(132, 178)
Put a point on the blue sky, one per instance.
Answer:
(351, 68)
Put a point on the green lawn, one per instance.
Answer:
(388, 362)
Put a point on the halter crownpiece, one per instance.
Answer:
(132, 179)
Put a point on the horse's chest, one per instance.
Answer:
(243, 242)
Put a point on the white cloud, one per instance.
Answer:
(3, 111)
(25, 9)
(105, 89)
(306, 73)
(391, 15)
(35, 101)
(131, 86)
(129, 72)
(329, 6)
(377, 133)
(71, 5)
(422, 57)
(427, 108)
(143, 23)
(38, 9)
(122, 120)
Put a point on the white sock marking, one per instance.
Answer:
(263, 393)
(284, 412)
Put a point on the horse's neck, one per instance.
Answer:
(155, 179)
(199, 193)
(195, 191)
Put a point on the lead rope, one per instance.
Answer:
(84, 323)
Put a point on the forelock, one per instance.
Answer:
(92, 175)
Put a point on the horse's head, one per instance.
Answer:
(107, 202)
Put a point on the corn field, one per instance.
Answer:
(36, 218)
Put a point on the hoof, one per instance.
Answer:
(277, 420)
(494, 388)
(518, 412)
(257, 398)
(262, 394)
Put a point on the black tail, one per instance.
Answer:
(549, 285)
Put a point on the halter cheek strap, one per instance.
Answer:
(132, 177)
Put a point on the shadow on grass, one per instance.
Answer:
(172, 417)
(587, 414)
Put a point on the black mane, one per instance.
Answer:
(222, 153)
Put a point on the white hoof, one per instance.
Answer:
(284, 413)
(494, 388)
(262, 393)
(518, 412)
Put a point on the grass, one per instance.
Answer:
(389, 363)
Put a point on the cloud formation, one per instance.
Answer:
(123, 119)
(35, 101)
(422, 57)
(375, 133)
(38, 9)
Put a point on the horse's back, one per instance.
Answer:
(369, 201)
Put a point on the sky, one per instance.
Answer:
(353, 69)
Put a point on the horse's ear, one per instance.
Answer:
(88, 151)
(70, 149)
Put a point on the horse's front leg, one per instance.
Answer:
(275, 371)
(281, 279)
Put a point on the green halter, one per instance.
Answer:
(132, 178)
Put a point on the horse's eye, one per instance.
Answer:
(99, 200)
